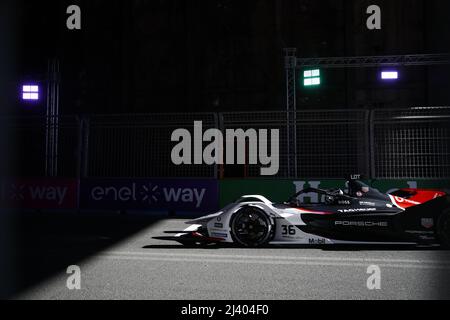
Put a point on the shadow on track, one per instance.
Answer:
(181, 247)
(46, 244)
(290, 247)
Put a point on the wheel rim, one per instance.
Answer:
(250, 226)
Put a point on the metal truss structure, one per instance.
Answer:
(52, 119)
(291, 117)
(292, 64)
(374, 61)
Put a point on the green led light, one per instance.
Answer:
(311, 78)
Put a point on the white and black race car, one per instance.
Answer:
(361, 215)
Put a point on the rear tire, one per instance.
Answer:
(251, 227)
(443, 229)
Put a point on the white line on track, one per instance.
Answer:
(276, 260)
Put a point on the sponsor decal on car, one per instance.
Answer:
(219, 235)
(366, 203)
(427, 223)
(419, 232)
(357, 210)
(316, 241)
(361, 223)
(402, 202)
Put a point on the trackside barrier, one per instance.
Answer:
(39, 193)
(194, 197)
(175, 195)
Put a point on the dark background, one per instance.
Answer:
(221, 55)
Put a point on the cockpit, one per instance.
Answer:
(356, 191)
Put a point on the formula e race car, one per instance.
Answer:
(360, 215)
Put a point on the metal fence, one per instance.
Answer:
(411, 143)
(29, 153)
(140, 145)
(390, 144)
(330, 143)
(257, 121)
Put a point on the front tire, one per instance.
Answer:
(443, 229)
(251, 227)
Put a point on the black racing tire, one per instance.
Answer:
(251, 227)
(443, 229)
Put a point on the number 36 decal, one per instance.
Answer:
(288, 230)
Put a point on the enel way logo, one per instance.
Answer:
(150, 194)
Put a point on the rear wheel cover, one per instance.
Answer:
(443, 228)
(251, 227)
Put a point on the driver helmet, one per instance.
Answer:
(334, 193)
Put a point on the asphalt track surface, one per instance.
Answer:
(139, 267)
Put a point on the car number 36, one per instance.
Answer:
(288, 230)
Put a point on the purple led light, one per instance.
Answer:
(389, 75)
(30, 92)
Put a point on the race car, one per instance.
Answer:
(358, 215)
